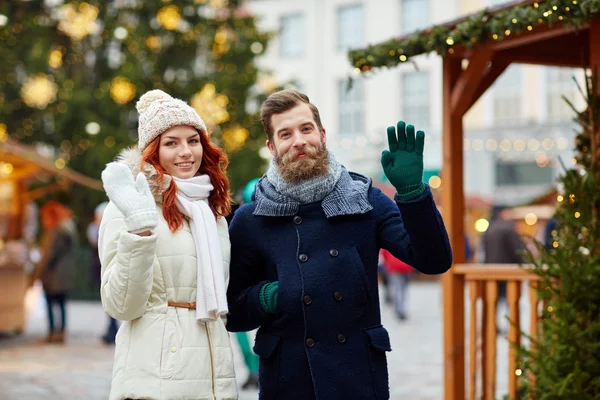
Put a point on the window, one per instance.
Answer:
(291, 37)
(350, 27)
(415, 99)
(559, 82)
(507, 97)
(351, 108)
(415, 15)
(522, 173)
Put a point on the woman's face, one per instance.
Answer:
(180, 151)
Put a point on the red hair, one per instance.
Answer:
(214, 163)
(53, 213)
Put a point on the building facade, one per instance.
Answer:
(514, 134)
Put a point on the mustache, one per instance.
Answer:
(292, 154)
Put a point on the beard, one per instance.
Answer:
(294, 170)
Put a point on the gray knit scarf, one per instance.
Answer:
(340, 192)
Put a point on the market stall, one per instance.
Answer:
(21, 169)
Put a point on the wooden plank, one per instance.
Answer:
(484, 324)
(595, 45)
(453, 211)
(491, 300)
(495, 272)
(533, 317)
(474, 292)
(468, 81)
(513, 294)
(496, 69)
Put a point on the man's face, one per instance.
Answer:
(298, 145)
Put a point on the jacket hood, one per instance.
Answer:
(132, 157)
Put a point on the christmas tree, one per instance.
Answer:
(563, 361)
(72, 71)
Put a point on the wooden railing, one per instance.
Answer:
(482, 282)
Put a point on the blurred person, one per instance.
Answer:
(501, 244)
(305, 251)
(399, 275)
(56, 269)
(164, 249)
(93, 230)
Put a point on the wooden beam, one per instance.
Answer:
(538, 34)
(453, 211)
(595, 67)
(44, 190)
(557, 60)
(594, 61)
(464, 89)
(496, 69)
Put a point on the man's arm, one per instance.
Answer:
(247, 276)
(414, 214)
(414, 232)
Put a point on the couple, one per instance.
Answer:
(299, 262)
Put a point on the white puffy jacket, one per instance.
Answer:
(161, 352)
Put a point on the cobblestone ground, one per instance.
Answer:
(81, 369)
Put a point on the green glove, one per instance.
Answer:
(403, 163)
(268, 297)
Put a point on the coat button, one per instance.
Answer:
(338, 296)
(333, 253)
(303, 257)
(297, 220)
(173, 349)
(341, 338)
(310, 342)
(307, 299)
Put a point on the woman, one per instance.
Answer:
(164, 248)
(56, 270)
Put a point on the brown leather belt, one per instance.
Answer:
(191, 306)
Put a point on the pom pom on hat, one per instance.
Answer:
(150, 97)
(159, 112)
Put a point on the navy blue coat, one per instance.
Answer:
(325, 340)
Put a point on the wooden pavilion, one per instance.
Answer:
(476, 50)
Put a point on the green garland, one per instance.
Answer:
(477, 28)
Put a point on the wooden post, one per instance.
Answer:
(513, 291)
(491, 303)
(453, 211)
(15, 229)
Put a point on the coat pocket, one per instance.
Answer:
(378, 342)
(267, 347)
(359, 267)
(170, 349)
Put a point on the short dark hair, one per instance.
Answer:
(282, 101)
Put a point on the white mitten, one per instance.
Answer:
(132, 198)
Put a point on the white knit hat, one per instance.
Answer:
(159, 112)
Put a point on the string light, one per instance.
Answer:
(38, 91)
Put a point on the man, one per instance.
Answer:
(305, 252)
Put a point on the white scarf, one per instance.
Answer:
(192, 201)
